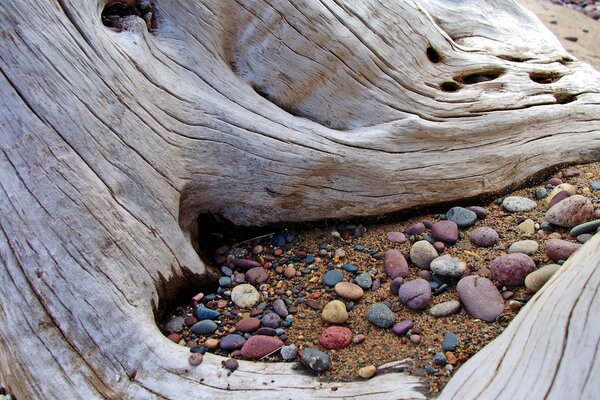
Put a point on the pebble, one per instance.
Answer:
(266, 331)
(416, 294)
(206, 313)
(445, 231)
(535, 280)
(440, 359)
(231, 364)
(289, 272)
(584, 237)
(396, 237)
(175, 325)
(367, 372)
(518, 204)
(395, 264)
(463, 217)
(349, 291)
(480, 297)
(339, 254)
(259, 346)
(211, 343)
(447, 265)
(563, 187)
(350, 268)
(380, 315)
(395, 285)
(247, 264)
(524, 246)
(248, 324)
(402, 327)
(540, 193)
(416, 339)
(280, 308)
(450, 341)
(336, 338)
(232, 342)
(446, 308)
(257, 275)
(512, 269)
(570, 212)
(314, 359)
(484, 237)
(527, 227)
(245, 296)
(288, 353)
(560, 196)
(195, 359)
(331, 278)
(595, 186)
(588, 227)
(421, 254)
(204, 327)
(224, 281)
(554, 181)
(335, 312)
(271, 320)
(558, 249)
(481, 212)
(364, 280)
(415, 229)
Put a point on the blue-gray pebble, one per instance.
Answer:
(380, 315)
(364, 281)
(461, 216)
(206, 313)
(204, 327)
(450, 341)
(332, 277)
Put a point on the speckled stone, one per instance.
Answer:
(480, 297)
(512, 269)
(380, 315)
(271, 320)
(335, 312)
(280, 308)
(570, 212)
(396, 237)
(232, 342)
(558, 249)
(175, 325)
(416, 294)
(481, 212)
(484, 237)
(314, 359)
(349, 290)
(395, 264)
(445, 232)
(447, 265)
(336, 338)
(444, 309)
(421, 254)
(518, 204)
(245, 295)
(257, 275)
(288, 353)
(259, 346)
(248, 324)
(364, 280)
(463, 217)
(402, 327)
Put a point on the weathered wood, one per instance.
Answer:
(113, 143)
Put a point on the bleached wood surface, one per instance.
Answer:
(113, 142)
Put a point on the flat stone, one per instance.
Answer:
(231, 364)
(349, 291)
(271, 320)
(481, 212)
(232, 342)
(245, 295)
(259, 346)
(480, 297)
(280, 308)
(402, 327)
(450, 341)
(524, 246)
(335, 312)
(535, 280)
(558, 249)
(331, 278)
(336, 338)
(266, 331)
(447, 265)
(257, 275)
(560, 196)
(518, 204)
(446, 308)
(380, 315)
(396, 237)
(512, 269)
(421, 254)
(463, 217)
(203, 312)
(246, 264)
(484, 237)
(395, 264)
(175, 325)
(248, 324)
(588, 227)
(395, 285)
(314, 359)
(350, 268)
(595, 186)
(415, 229)
(416, 294)
(364, 280)
(584, 237)
(527, 227)
(445, 231)
(570, 212)
(204, 327)
(288, 353)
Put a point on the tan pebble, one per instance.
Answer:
(195, 359)
(335, 312)
(222, 303)
(527, 227)
(314, 279)
(535, 280)
(451, 358)
(367, 372)
(340, 253)
(586, 190)
(515, 305)
(470, 253)
(211, 343)
(300, 337)
(554, 235)
(349, 290)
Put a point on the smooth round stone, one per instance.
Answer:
(195, 359)
(421, 254)
(175, 325)
(380, 315)
(288, 353)
(415, 229)
(245, 296)
(558, 249)
(512, 269)
(524, 246)
(266, 331)
(535, 280)
(364, 280)
(367, 372)
(336, 337)
(447, 265)
(481, 212)
(446, 308)
(211, 343)
(484, 237)
(396, 237)
(588, 227)
(331, 278)
(232, 342)
(349, 290)
(248, 324)
(439, 359)
(402, 327)
(584, 237)
(416, 339)
(335, 312)
(480, 297)
(257, 275)
(259, 346)
(445, 232)
(314, 359)
(595, 186)
(271, 320)
(350, 268)
(416, 294)
(231, 364)
(224, 281)
(540, 193)
(395, 264)
(246, 264)
(206, 313)
(280, 308)
(518, 204)
(395, 285)
(554, 181)
(450, 341)
(463, 217)
(570, 212)
(204, 327)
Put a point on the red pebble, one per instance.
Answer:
(336, 337)
(174, 337)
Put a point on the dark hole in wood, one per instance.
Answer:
(544, 77)
(513, 58)
(449, 86)
(479, 76)
(564, 98)
(433, 55)
(116, 15)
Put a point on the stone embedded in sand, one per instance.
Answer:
(512, 269)
(415, 229)
(524, 246)
(314, 359)
(247, 264)
(480, 297)
(248, 324)
(527, 227)
(335, 312)
(336, 337)
(562, 187)
(463, 217)
(416, 294)
(570, 212)
(259, 346)
(367, 372)
(535, 280)
(349, 290)
(447, 265)
(421, 254)
(445, 231)
(395, 264)
(380, 315)
(245, 295)
(257, 275)
(395, 285)
(518, 204)
(446, 308)
(396, 237)
(232, 342)
(484, 237)
(558, 249)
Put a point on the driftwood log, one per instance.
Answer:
(121, 123)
